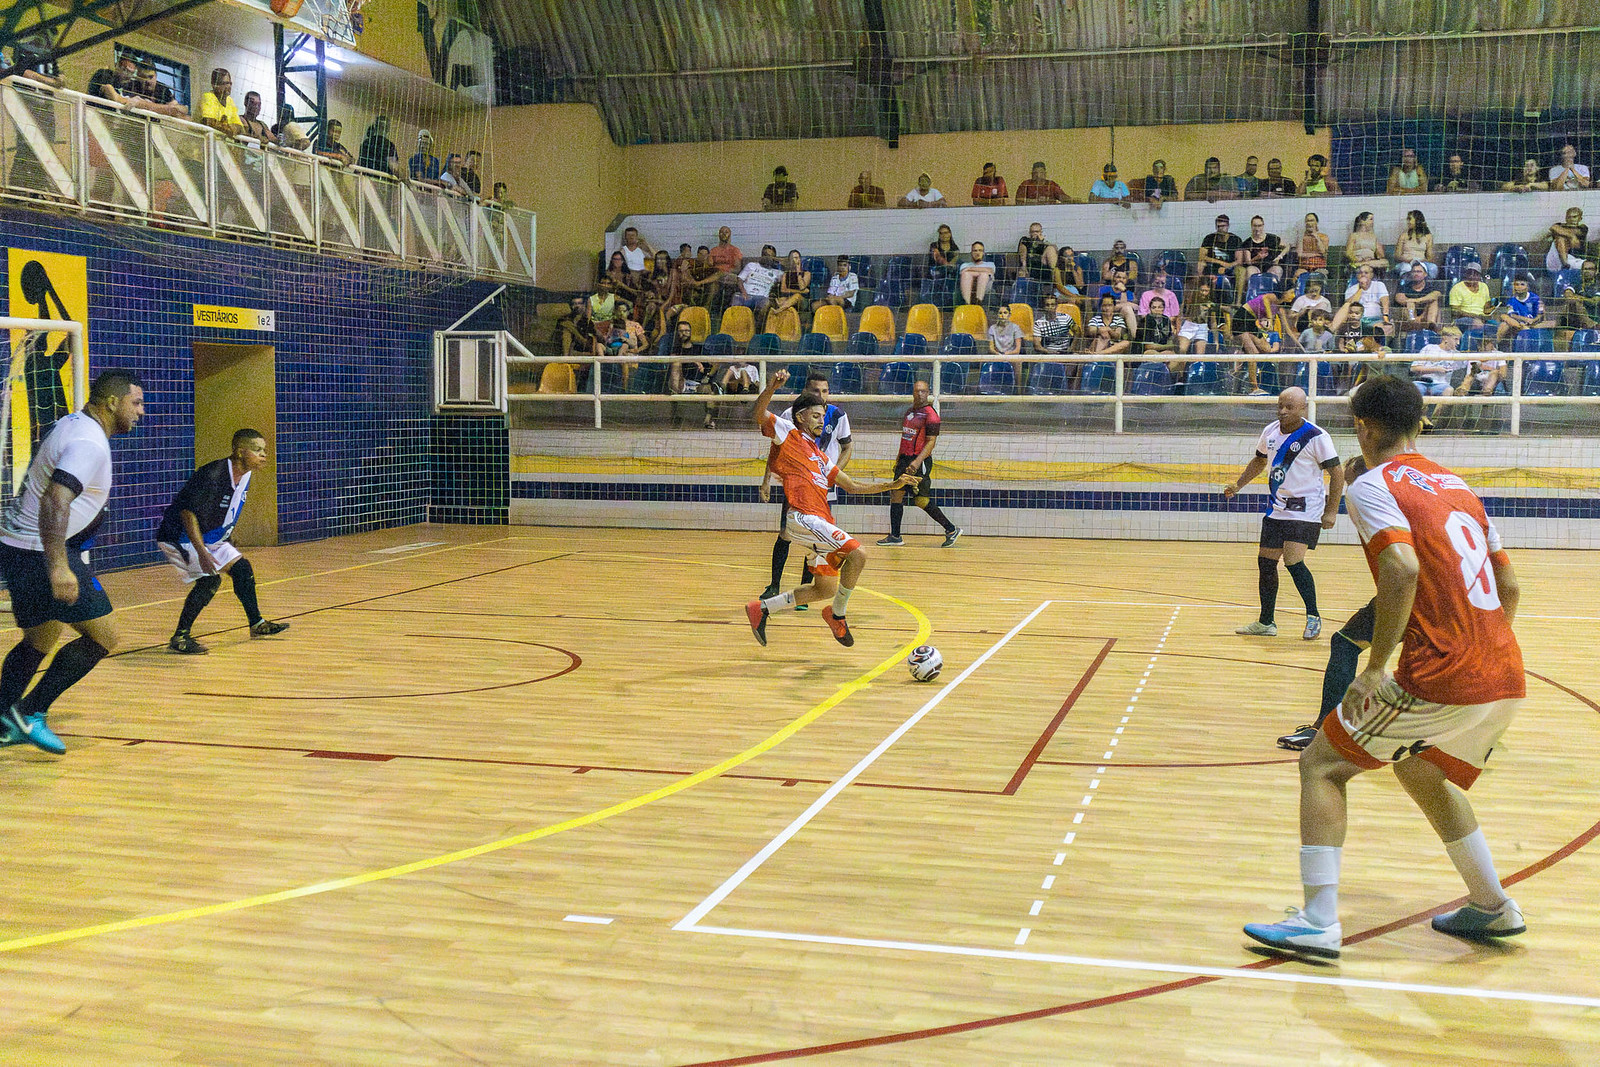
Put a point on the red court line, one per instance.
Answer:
(1039, 746)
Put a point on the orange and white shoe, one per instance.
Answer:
(757, 613)
(840, 628)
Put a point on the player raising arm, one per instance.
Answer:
(807, 475)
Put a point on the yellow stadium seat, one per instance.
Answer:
(738, 323)
(1075, 313)
(558, 378)
(878, 320)
(927, 320)
(970, 319)
(786, 324)
(1022, 315)
(830, 320)
(699, 320)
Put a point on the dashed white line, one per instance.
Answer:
(1038, 905)
(593, 920)
(1049, 881)
(1022, 936)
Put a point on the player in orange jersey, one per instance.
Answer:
(1446, 598)
(807, 475)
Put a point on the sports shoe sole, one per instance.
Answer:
(1477, 933)
(846, 638)
(886, 543)
(1298, 741)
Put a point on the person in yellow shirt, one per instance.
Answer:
(1469, 298)
(217, 108)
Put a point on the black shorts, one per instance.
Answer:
(27, 576)
(1360, 626)
(924, 484)
(1274, 532)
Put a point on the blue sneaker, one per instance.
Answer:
(8, 733)
(1295, 936)
(34, 731)
(1475, 924)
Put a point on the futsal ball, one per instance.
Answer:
(925, 663)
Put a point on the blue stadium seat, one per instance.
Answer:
(1090, 267)
(820, 269)
(846, 378)
(765, 344)
(940, 292)
(664, 345)
(1222, 287)
(1569, 276)
(1215, 342)
(1542, 377)
(1204, 379)
(718, 346)
(960, 344)
(1332, 378)
(892, 292)
(1472, 340)
(901, 268)
(611, 378)
(648, 378)
(1175, 263)
(997, 379)
(862, 344)
(816, 344)
(911, 344)
(1258, 284)
(896, 379)
(1152, 379)
(1534, 341)
(1417, 340)
(797, 375)
(1047, 379)
(1025, 291)
(1585, 341)
(1508, 258)
(1098, 378)
(1456, 258)
(952, 378)
(1591, 379)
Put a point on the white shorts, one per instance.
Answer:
(1194, 331)
(1392, 725)
(187, 560)
(827, 543)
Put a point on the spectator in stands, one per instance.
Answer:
(31, 61)
(989, 189)
(472, 172)
(575, 330)
(1569, 173)
(1311, 301)
(1248, 184)
(1262, 338)
(1567, 242)
(663, 296)
(624, 282)
(1366, 300)
(377, 152)
(1220, 250)
(1109, 189)
(1276, 184)
(1066, 278)
(1118, 291)
(627, 333)
(1362, 248)
(1118, 262)
(1316, 338)
(1005, 338)
(756, 282)
(1039, 189)
(687, 369)
(1531, 179)
(217, 108)
(1523, 310)
(1159, 186)
(1054, 330)
(781, 194)
(1456, 178)
(1200, 315)
(1469, 299)
(1108, 330)
(728, 260)
(635, 252)
(944, 255)
(1579, 304)
(865, 194)
(705, 280)
(251, 120)
(1036, 256)
(1154, 333)
(1211, 184)
(843, 285)
(1311, 250)
(502, 197)
(332, 147)
(1486, 375)
(1419, 304)
(424, 165)
(1416, 245)
(1433, 369)
(1318, 182)
(602, 302)
(1158, 291)
(1260, 253)
(1408, 177)
(924, 195)
(290, 133)
(450, 178)
(977, 274)
(151, 95)
(794, 288)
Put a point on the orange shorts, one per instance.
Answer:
(1392, 725)
(827, 544)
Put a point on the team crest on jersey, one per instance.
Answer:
(1428, 483)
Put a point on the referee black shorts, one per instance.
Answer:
(924, 484)
(27, 576)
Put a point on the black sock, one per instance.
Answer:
(244, 587)
(780, 556)
(896, 513)
(1343, 657)
(806, 574)
(1307, 585)
(22, 662)
(938, 516)
(200, 594)
(66, 670)
(1269, 588)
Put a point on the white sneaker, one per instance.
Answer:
(1313, 628)
(1298, 937)
(1259, 629)
(1475, 924)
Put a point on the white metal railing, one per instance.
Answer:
(60, 148)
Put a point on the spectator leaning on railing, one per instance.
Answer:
(377, 152)
(251, 119)
(151, 95)
(217, 108)
(331, 147)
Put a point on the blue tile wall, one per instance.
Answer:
(471, 469)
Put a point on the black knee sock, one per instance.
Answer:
(66, 670)
(938, 516)
(22, 662)
(1307, 585)
(200, 594)
(1343, 657)
(780, 556)
(896, 514)
(1269, 588)
(244, 587)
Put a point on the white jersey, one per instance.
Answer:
(1295, 462)
(77, 454)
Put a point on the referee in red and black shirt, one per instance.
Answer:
(919, 432)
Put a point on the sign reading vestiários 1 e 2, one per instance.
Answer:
(233, 318)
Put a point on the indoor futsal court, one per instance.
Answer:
(469, 816)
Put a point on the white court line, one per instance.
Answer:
(595, 920)
(719, 894)
(1285, 977)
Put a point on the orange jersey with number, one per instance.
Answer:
(1458, 646)
(805, 470)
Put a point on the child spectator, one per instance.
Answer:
(1523, 310)
(1312, 300)
(1316, 338)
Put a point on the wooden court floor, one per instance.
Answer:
(535, 796)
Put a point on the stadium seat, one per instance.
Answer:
(738, 323)
(1585, 341)
(1203, 379)
(765, 344)
(1090, 267)
(1417, 340)
(1591, 378)
(816, 344)
(879, 321)
(829, 320)
(718, 346)
(699, 320)
(797, 374)
(1507, 259)
(1569, 276)
(1073, 312)
(1025, 290)
(1175, 263)
(786, 324)
(1047, 379)
(970, 319)
(1542, 377)
(613, 378)
(1456, 258)
(1222, 287)
(926, 319)
(1331, 378)
(960, 344)
(911, 344)
(940, 291)
(1022, 315)
(896, 379)
(1098, 378)
(952, 378)
(997, 378)
(846, 378)
(1472, 340)
(1534, 341)
(648, 378)
(1258, 284)
(1152, 379)
(891, 293)
(558, 378)
(819, 269)
(862, 344)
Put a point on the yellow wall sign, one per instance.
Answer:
(44, 285)
(233, 318)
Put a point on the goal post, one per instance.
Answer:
(40, 353)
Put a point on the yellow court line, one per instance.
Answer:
(924, 631)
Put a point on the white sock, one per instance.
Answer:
(1472, 860)
(841, 600)
(1319, 872)
(781, 602)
